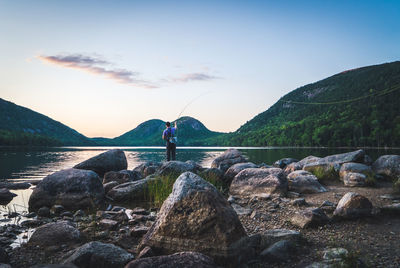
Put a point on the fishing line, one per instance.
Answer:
(193, 100)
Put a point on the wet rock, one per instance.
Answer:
(235, 169)
(310, 217)
(282, 163)
(55, 234)
(131, 191)
(44, 212)
(176, 168)
(112, 160)
(388, 166)
(30, 215)
(57, 209)
(122, 176)
(99, 255)
(15, 185)
(148, 168)
(353, 205)
(368, 160)
(302, 181)
(178, 260)
(3, 255)
(31, 223)
(280, 251)
(72, 188)
(108, 224)
(259, 181)
(67, 214)
(6, 196)
(227, 159)
(195, 217)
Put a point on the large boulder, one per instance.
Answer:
(177, 260)
(353, 205)
(55, 234)
(259, 182)
(195, 217)
(227, 159)
(112, 160)
(356, 156)
(235, 169)
(6, 196)
(310, 217)
(300, 164)
(122, 176)
(131, 191)
(388, 166)
(147, 168)
(99, 255)
(282, 163)
(72, 188)
(356, 174)
(302, 181)
(176, 168)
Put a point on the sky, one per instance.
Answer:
(103, 67)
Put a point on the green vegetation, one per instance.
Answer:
(12, 138)
(367, 114)
(22, 126)
(325, 173)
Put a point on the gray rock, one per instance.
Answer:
(15, 185)
(280, 251)
(6, 196)
(282, 163)
(393, 209)
(44, 212)
(195, 217)
(299, 202)
(55, 234)
(99, 255)
(356, 174)
(122, 176)
(148, 168)
(176, 168)
(212, 175)
(354, 179)
(259, 182)
(227, 159)
(57, 209)
(131, 191)
(300, 164)
(112, 160)
(235, 169)
(388, 166)
(272, 236)
(53, 266)
(310, 217)
(72, 188)
(3, 255)
(145, 253)
(353, 205)
(241, 210)
(356, 156)
(302, 181)
(177, 260)
(109, 185)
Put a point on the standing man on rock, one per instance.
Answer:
(169, 136)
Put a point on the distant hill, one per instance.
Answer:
(190, 132)
(22, 126)
(358, 107)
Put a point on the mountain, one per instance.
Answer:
(190, 132)
(22, 126)
(358, 107)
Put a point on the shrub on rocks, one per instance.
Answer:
(258, 182)
(353, 205)
(195, 217)
(112, 160)
(227, 159)
(72, 188)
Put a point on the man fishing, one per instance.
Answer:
(169, 136)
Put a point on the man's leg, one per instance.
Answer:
(168, 151)
(173, 151)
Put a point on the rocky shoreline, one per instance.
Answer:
(337, 211)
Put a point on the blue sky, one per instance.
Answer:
(103, 67)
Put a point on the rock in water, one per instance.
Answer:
(112, 160)
(99, 255)
(235, 169)
(353, 205)
(259, 182)
(55, 234)
(177, 260)
(282, 163)
(302, 181)
(72, 188)
(388, 165)
(195, 217)
(227, 159)
(6, 196)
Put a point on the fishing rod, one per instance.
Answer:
(193, 100)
